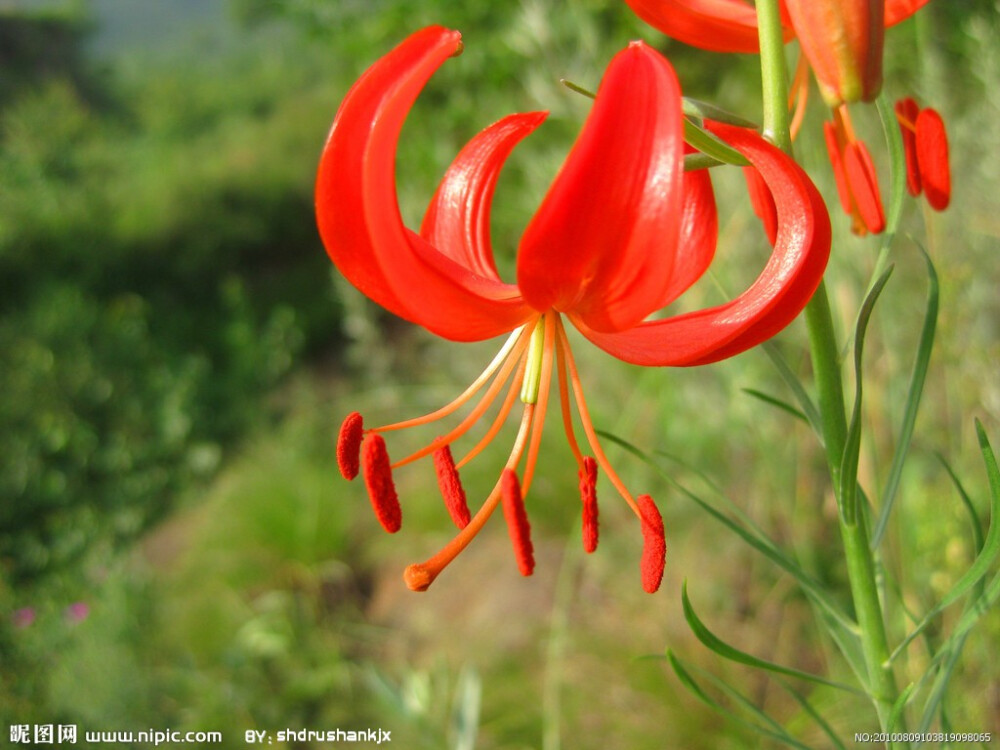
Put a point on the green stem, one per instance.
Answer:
(860, 561)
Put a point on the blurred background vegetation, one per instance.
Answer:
(176, 547)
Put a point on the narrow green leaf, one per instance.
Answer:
(935, 699)
(897, 166)
(705, 111)
(816, 716)
(917, 378)
(899, 706)
(977, 524)
(842, 628)
(709, 144)
(987, 555)
(713, 642)
(852, 446)
(798, 390)
(698, 160)
(774, 401)
(772, 728)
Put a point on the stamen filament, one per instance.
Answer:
(466, 424)
(421, 575)
(799, 96)
(501, 417)
(588, 426)
(564, 404)
(515, 344)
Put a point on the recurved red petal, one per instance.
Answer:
(762, 202)
(358, 213)
(906, 113)
(783, 288)
(603, 242)
(699, 236)
(717, 25)
(932, 158)
(900, 10)
(457, 221)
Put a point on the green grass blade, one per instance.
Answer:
(716, 644)
(841, 627)
(815, 715)
(899, 706)
(768, 726)
(897, 166)
(795, 385)
(776, 402)
(852, 446)
(987, 555)
(919, 375)
(977, 524)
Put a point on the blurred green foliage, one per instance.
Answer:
(160, 272)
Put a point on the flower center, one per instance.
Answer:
(527, 361)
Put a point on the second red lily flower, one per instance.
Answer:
(622, 232)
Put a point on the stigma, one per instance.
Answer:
(533, 356)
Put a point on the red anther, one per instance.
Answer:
(451, 487)
(906, 112)
(762, 202)
(378, 479)
(863, 181)
(349, 445)
(932, 158)
(588, 494)
(517, 522)
(654, 544)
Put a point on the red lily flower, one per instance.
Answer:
(622, 232)
(925, 143)
(842, 39)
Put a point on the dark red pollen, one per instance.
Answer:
(378, 479)
(451, 487)
(654, 544)
(517, 522)
(588, 494)
(349, 445)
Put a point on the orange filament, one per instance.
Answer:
(378, 480)
(451, 487)
(501, 417)
(588, 427)
(511, 350)
(349, 445)
(799, 95)
(420, 576)
(517, 522)
(466, 424)
(588, 495)
(654, 545)
(564, 404)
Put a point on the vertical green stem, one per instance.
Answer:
(826, 366)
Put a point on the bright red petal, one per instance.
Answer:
(906, 112)
(717, 25)
(932, 156)
(358, 214)
(458, 218)
(777, 296)
(762, 202)
(602, 244)
(900, 10)
(699, 235)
